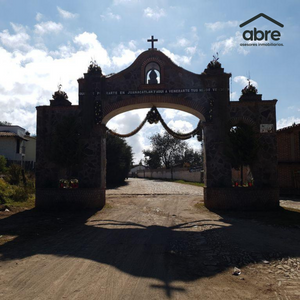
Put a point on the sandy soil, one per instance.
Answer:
(148, 245)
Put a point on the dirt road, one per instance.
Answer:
(152, 241)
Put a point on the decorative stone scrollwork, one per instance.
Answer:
(211, 104)
(199, 136)
(98, 112)
(153, 116)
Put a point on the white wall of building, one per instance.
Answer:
(176, 174)
(30, 152)
(8, 144)
(8, 148)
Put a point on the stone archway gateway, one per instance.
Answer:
(71, 139)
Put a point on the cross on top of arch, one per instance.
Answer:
(152, 40)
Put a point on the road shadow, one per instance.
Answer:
(116, 186)
(181, 253)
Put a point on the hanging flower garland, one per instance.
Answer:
(153, 116)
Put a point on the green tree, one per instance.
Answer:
(243, 147)
(3, 123)
(14, 174)
(152, 159)
(193, 157)
(169, 151)
(2, 164)
(119, 160)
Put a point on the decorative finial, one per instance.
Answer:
(60, 98)
(214, 64)
(250, 88)
(94, 67)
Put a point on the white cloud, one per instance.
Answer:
(123, 56)
(19, 40)
(90, 45)
(188, 43)
(221, 25)
(194, 143)
(39, 17)
(66, 14)
(48, 27)
(182, 42)
(117, 2)
(171, 114)
(180, 60)
(15, 115)
(180, 125)
(35, 73)
(132, 45)
(291, 107)
(155, 14)
(233, 96)
(191, 50)
(285, 122)
(109, 15)
(243, 81)
(230, 44)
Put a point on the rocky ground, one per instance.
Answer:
(154, 240)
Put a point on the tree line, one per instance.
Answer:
(168, 152)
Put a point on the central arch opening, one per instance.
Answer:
(191, 160)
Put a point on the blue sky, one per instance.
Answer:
(44, 43)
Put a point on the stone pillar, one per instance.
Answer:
(217, 167)
(90, 170)
(92, 174)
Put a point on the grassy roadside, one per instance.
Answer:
(28, 204)
(17, 189)
(189, 182)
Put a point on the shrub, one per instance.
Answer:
(14, 174)
(2, 164)
(20, 195)
(119, 159)
(30, 186)
(6, 191)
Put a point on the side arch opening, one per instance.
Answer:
(242, 151)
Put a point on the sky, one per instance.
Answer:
(47, 43)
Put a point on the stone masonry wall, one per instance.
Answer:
(288, 141)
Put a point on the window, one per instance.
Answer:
(152, 73)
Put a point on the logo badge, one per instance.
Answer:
(257, 37)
